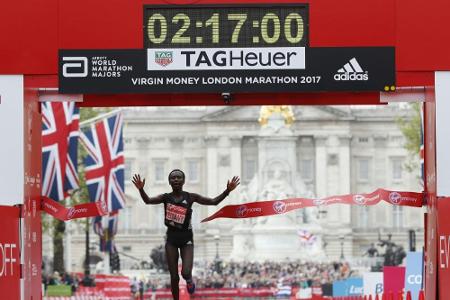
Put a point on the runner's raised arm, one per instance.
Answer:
(139, 184)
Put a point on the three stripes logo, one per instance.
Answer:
(351, 71)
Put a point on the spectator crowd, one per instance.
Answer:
(229, 274)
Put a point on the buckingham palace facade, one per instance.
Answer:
(323, 151)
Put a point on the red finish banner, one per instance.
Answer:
(443, 253)
(276, 207)
(9, 253)
(393, 281)
(31, 214)
(62, 213)
(114, 287)
(208, 293)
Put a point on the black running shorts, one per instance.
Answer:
(180, 238)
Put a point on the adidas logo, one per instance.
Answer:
(351, 71)
(189, 243)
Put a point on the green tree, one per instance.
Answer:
(410, 127)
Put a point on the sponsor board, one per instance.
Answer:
(373, 283)
(443, 249)
(9, 253)
(12, 134)
(247, 69)
(31, 250)
(226, 59)
(414, 272)
(348, 287)
(393, 279)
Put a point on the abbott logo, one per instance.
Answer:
(80, 64)
(351, 71)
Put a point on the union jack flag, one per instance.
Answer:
(60, 124)
(104, 164)
(113, 222)
(105, 174)
(107, 243)
(306, 237)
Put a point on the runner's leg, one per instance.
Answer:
(187, 260)
(172, 261)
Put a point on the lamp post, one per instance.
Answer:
(341, 238)
(217, 238)
(322, 213)
(87, 280)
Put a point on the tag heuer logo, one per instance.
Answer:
(163, 58)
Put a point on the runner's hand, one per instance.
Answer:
(138, 183)
(231, 185)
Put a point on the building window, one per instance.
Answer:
(363, 216)
(193, 172)
(125, 219)
(160, 172)
(397, 216)
(143, 169)
(363, 139)
(249, 169)
(307, 169)
(397, 169)
(363, 169)
(128, 168)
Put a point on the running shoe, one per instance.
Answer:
(190, 287)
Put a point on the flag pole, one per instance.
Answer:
(99, 117)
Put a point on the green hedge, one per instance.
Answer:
(59, 290)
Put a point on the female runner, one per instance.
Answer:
(177, 218)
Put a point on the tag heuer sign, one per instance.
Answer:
(163, 58)
(235, 70)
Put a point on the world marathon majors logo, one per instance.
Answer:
(351, 71)
(75, 66)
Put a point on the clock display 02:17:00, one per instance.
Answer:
(225, 26)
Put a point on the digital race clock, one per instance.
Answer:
(225, 26)
(227, 48)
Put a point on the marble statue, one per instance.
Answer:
(277, 237)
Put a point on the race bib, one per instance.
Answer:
(176, 213)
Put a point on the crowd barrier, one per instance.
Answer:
(107, 287)
(385, 296)
(209, 293)
(98, 293)
(75, 298)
